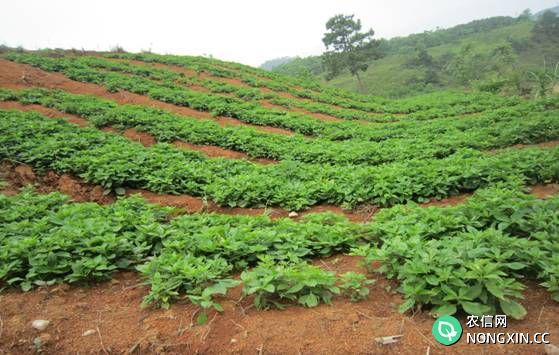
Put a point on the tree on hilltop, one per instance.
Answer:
(347, 47)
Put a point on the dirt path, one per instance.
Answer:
(21, 76)
(548, 144)
(111, 317)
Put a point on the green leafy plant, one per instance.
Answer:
(472, 254)
(272, 284)
(206, 298)
(354, 285)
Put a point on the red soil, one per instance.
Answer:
(199, 88)
(187, 72)
(544, 191)
(214, 151)
(111, 312)
(549, 144)
(18, 175)
(112, 309)
(211, 151)
(20, 76)
(283, 94)
(449, 201)
(143, 138)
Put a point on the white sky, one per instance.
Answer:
(246, 31)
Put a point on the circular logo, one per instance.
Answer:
(447, 330)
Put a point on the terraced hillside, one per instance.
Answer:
(215, 190)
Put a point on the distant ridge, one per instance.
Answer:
(554, 9)
(276, 62)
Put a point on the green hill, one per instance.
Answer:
(494, 54)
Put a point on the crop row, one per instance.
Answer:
(114, 162)
(305, 86)
(425, 107)
(272, 81)
(255, 114)
(218, 87)
(217, 105)
(434, 105)
(167, 127)
(44, 239)
(446, 259)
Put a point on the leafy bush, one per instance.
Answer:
(354, 286)
(472, 254)
(171, 273)
(274, 283)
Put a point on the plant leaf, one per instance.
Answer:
(513, 309)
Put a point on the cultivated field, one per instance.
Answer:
(189, 205)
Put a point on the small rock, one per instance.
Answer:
(293, 214)
(389, 339)
(40, 324)
(89, 332)
(233, 341)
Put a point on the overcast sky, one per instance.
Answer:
(246, 31)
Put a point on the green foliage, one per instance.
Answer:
(470, 258)
(115, 162)
(43, 239)
(392, 76)
(274, 283)
(171, 273)
(545, 80)
(354, 285)
(472, 254)
(480, 132)
(206, 298)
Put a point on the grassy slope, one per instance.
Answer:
(389, 76)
